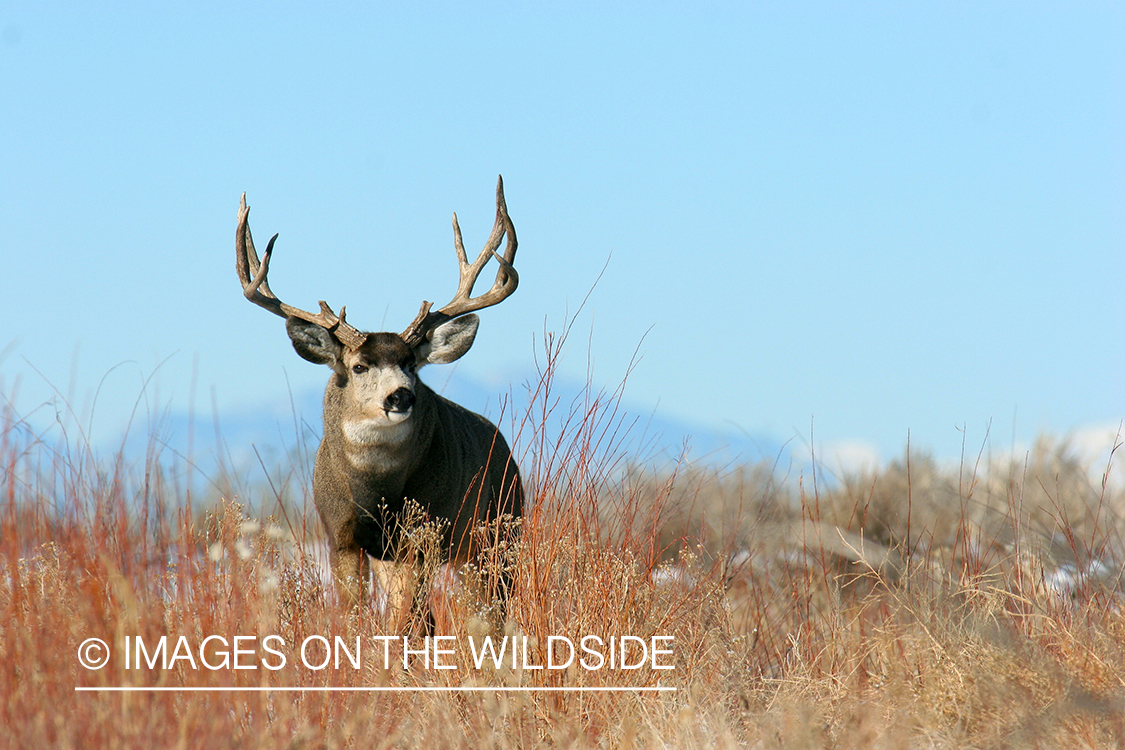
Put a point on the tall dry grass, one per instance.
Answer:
(919, 606)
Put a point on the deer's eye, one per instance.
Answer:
(359, 369)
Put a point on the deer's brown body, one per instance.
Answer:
(452, 462)
(388, 438)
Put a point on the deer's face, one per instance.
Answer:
(379, 377)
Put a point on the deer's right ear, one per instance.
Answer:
(314, 343)
(448, 341)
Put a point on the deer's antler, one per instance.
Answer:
(463, 302)
(252, 274)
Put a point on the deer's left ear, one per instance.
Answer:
(448, 342)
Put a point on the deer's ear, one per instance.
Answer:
(449, 341)
(314, 342)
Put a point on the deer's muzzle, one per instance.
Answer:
(400, 401)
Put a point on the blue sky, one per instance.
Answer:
(843, 224)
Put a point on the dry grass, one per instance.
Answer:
(917, 607)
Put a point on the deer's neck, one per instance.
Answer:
(370, 447)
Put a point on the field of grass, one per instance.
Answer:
(920, 606)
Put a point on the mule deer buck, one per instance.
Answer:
(388, 438)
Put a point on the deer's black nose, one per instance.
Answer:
(401, 400)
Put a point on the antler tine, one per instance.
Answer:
(252, 273)
(246, 256)
(506, 275)
(507, 279)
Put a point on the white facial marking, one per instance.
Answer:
(371, 389)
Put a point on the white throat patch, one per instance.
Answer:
(378, 432)
(370, 443)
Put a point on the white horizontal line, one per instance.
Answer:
(420, 689)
